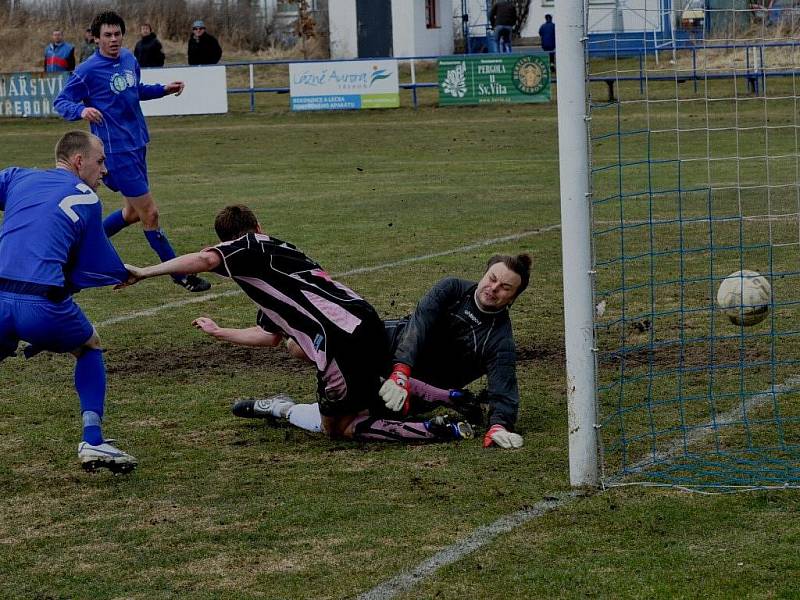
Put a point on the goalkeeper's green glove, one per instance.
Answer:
(394, 390)
(501, 436)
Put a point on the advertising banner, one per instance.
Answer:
(30, 94)
(490, 78)
(344, 85)
(205, 92)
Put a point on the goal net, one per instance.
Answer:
(694, 174)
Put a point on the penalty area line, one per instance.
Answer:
(477, 539)
(149, 312)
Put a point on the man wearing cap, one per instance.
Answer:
(204, 49)
(89, 46)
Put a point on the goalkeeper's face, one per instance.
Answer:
(497, 288)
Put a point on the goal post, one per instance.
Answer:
(675, 174)
(573, 153)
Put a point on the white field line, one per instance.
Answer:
(484, 535)
(149, 312)
(700, 432)
(478, 538)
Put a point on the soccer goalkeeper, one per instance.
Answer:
(459, 332)
(338, 330)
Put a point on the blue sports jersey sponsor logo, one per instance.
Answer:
(122, 81)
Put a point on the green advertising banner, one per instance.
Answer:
(489, 78)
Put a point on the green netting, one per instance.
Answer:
(695, 171)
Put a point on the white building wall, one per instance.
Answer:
(411, 34)
(403, 17)
(342, 25)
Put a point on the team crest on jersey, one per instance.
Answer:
(122, 81)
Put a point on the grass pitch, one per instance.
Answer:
(225, 508)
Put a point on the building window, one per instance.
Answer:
(431, 14)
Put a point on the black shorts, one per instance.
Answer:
(351, 382)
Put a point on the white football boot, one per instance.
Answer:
(105, 456)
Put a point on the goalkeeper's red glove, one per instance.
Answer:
(501, 436)
(394, 390)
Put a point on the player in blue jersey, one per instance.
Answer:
(105, 90)
(52, 244)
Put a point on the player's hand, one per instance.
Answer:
(176, 87)
(206, 325)
(502, 437)
(394, 390)
(135, 275)
(92, 115)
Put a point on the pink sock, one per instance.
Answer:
(425, 397)
(371, 429)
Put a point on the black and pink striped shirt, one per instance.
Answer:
(294, 294)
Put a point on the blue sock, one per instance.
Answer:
(114, 223)
(160, 244)
(90, 383)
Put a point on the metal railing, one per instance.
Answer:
(755, 70)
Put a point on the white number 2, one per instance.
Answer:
(69, 201)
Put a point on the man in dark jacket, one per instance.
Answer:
(460, 331)
(547, 34)
(204, 49)
(148, 50)
(503, 18)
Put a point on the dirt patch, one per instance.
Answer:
(188, 359)
(541, 353)
(671, 355)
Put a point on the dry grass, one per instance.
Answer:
(22, 44)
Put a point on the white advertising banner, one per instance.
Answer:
(344, 85)
(206, 91)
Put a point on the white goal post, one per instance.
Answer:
(573, 152)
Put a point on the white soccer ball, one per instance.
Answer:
(744, 296)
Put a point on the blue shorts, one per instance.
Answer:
(53, 326)
(127, 173)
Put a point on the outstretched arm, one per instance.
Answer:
(196, 262)
(251, 336)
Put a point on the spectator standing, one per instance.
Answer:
(89, 45)
(59, 56)
(503, 18)
(204, 49)
(148, 50)
(547, 35)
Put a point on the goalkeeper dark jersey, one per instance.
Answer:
(338, 330)
(449, 342)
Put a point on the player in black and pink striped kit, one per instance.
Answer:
(338, 331)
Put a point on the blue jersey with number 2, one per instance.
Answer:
(52, 232)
